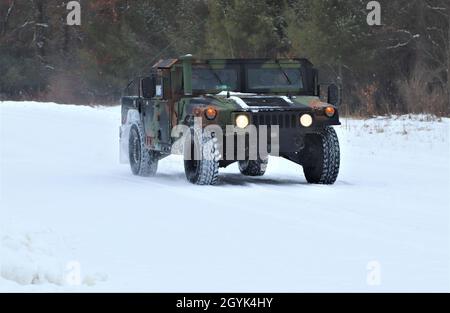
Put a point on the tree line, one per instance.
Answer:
(401, 66)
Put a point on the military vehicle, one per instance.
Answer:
(220, 102)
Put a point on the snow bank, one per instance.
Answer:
(31, 255)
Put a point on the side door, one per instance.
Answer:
(147, 109)
(161, 119)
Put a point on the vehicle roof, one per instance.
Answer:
(168, 63)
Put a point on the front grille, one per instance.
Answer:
(282, 119)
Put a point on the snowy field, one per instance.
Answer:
(73, 219)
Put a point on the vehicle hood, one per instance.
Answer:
(257, 102)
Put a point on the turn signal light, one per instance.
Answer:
(329, 111)
(210, 113)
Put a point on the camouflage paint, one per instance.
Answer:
(180, 105)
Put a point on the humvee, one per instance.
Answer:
(268, 107)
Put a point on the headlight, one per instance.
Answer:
(242, 121)
(306, 120)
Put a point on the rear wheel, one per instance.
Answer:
(201, 158)
(143, 162)
(321, 157)
(253, 167)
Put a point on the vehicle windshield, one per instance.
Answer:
(208, 79)
(274, 79)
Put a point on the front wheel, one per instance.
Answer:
(321, 157)
(143, 162)
(201, 158)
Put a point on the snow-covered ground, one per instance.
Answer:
(73, 219)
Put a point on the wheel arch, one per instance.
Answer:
(133, 117)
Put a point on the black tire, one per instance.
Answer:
(322, 157)
(253, 167)
(143, 162)
(205, 170)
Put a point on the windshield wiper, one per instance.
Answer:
(215, 74)
(284, 73)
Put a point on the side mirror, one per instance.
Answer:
(147, 87)
(334, 95)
